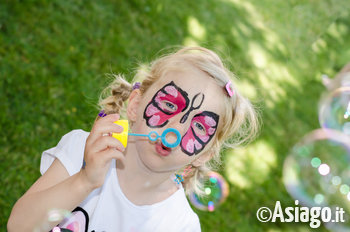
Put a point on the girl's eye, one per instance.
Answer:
(169, 106)
(199, 128)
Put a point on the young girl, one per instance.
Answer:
(110, 187)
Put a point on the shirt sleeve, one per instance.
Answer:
(193, 225)
(69, 151)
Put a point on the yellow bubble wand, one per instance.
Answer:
(152, 136)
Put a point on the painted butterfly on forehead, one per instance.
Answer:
(166, 103)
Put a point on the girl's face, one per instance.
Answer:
(188, 101)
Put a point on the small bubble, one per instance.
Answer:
(336, 180)
(315, 162)
(319, 198)
(344, 189)
(207, 191)
(56, 229)
(324, 169)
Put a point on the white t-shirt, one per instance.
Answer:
(107, 208)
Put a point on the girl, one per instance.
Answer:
(110, 187)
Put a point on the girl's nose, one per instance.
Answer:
(182, 128)
(171, 137)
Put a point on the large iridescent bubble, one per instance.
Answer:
(317, 172)
(216, 190)
(334, 110)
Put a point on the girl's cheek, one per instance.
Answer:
(205, 138)
(189, 144)
(197, 145)
(211, 131)
(154, 120)
(151, 110)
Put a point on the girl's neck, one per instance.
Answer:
(137, 181)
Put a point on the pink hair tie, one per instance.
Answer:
(228, 88)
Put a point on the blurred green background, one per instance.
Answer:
(54, 56)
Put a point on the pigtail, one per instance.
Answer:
(113, 96)
(192, 183)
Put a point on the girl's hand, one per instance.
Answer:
(100, 148)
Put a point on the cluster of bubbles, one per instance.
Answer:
(216, 191)
(317, 170)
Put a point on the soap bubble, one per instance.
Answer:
(53, 216)
(334, 110)
(317, 172)
(215, 192)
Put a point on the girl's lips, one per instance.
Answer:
(161, 149)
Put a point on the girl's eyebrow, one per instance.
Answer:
(182, 92)
(179, 89)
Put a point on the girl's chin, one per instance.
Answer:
(156, 158)
(152, 160)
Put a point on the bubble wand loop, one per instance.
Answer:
(152, 136)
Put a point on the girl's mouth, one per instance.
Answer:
(161, 149)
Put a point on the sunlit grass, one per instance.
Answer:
(54, 56)
(249, 167)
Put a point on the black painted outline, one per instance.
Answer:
(184, 118)
(183, 93)
(204, 113)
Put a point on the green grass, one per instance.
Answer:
(54, 54)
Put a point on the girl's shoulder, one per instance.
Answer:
(69, 150)
(77, 135)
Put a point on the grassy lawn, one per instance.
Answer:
(54, 56)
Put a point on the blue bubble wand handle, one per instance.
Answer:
(153, 136)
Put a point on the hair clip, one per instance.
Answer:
(179, 178)
(228, 88)
(102, 114)
(136, 85)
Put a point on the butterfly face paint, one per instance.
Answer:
(202, 129)
(196, 103)
(166, 103)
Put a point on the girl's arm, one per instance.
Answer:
(53, 190)
(57, 190)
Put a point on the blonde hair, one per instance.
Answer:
(239, 124)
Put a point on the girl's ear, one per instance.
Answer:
(133, 104)
(203, 159)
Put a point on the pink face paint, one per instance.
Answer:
(166, 103)
(202, 129)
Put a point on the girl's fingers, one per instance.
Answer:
(112, 154)
(103, 126)
(106, 128)
(106, 142)
(98, 165)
